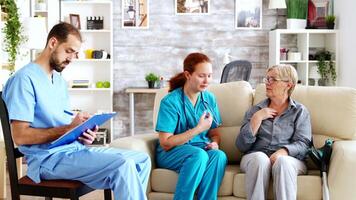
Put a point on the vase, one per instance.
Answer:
(296, 23)
(326, 82)
(330, 25)
(151, 84)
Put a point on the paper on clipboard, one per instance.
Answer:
(72, 135)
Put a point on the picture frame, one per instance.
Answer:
(192, 7)
(317, 11)
(75, 20)
(135, 14)
(248, 14)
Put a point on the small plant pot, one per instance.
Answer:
(296, 23)
(330, 25)
(326, 82)
(151, 84)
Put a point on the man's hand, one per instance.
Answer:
(88, 136)
(79, 118)
(212, 145)
(275, 155)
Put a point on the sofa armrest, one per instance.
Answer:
(144, 143)
(342, 173)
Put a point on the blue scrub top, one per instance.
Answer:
(32, 96)
(173, 119)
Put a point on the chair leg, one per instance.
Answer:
(107, 194)
(48, 198)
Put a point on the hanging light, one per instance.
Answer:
(131, 11)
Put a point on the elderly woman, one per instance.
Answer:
(275, 136)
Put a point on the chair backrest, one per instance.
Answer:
(237, 70)
(11, 152)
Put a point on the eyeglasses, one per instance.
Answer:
(271, 80)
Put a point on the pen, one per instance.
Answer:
(68, 112)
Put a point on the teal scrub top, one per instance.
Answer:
(177, 114)
(32, 96)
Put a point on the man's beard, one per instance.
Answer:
(56, 64)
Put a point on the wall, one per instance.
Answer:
(162, 48)
(346, 15)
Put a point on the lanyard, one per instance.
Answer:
(206, 106)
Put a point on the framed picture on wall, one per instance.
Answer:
(74, 20)
(192, 7)
(248, 14)
(135, 13)
(317, 11)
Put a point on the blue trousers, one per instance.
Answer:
(197, 169)
(125, 172)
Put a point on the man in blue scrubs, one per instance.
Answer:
(36, 97)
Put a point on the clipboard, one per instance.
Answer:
(73, 134)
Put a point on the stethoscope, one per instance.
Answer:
(206, 106)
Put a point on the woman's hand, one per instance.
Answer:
(88, 136)
(280, 152)
(212, 145)
(265, 113)
(205, 122)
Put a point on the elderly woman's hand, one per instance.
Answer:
(266, 113)
(280, 152)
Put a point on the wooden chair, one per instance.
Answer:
(25, 186)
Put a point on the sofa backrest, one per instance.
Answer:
(332, 110)
(234, 99)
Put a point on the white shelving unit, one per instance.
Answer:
(307, 41)
(45, 8)
(91, 99)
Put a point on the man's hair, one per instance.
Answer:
(61, 31)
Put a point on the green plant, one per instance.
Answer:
(326, 66)
(330, 19)
(151, 77)
(12, 32)
(297, 9)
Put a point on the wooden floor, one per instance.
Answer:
(95, 195)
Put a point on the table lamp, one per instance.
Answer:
(276, 4)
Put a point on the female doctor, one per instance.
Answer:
(188, 137)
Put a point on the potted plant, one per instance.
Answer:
(326, 68)
(151, 79)
(12, 33)
(330, 21)
(297, 11)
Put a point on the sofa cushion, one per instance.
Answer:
(234, 99)
(309, 187)
(327, 114)
(233, 184)
(164, 180)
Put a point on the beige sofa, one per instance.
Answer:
(333, 114)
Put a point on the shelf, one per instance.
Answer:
(91, 60)
(85, 2)
(315, 61)
(40, 11)
(293, 61)
(312, 31)
(90, 89)
(96, 31)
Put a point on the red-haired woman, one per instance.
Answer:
(188, 137)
